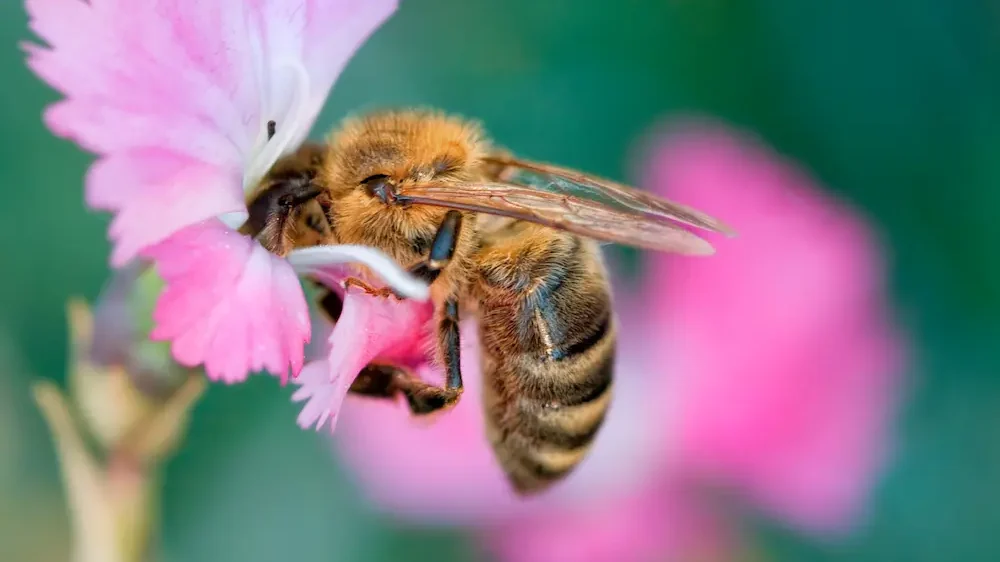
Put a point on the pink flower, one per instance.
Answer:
(175, 97)
(769, 368)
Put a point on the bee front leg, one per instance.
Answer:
(382, 292)
(449, 340)
(442, 248)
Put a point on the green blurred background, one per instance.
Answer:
(893, 105)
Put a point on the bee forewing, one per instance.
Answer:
(566, 180)
(560, 210)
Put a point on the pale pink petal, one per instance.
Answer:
(179, 75)
(787, 358)
(369, 328)
(155, 193)
(333, 31)
(374, 327)
(178, 94)
(320, 394)
(207, 74)
(168, 91)
(229, 304)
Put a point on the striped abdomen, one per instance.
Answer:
(548, 341)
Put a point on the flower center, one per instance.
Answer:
(278, 130)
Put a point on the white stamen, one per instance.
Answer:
(287, 129)
(309, 260)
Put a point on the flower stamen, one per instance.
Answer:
(298, 118)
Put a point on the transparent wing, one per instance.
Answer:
(566, 212)
(550, 177)
(572, 201)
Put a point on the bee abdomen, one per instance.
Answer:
(545, 430)
(548, 337)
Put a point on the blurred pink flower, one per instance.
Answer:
(769, 367)
(175, 98)
(787, 362)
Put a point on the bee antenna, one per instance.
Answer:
(271, 127)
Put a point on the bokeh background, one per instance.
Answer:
(894, 106)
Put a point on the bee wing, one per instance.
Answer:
(576, 202)
(564, 211)
(560, 179)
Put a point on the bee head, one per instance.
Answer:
(382, 152)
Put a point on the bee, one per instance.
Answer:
(514, 243)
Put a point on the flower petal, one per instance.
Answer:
(335, 29)
(201, 77)
(180, 76)
(322, 397)
(156, 192)
(788, 356)
(229, 304)
(318, 37)
(369, 328)
(179, 95)
(329, 263)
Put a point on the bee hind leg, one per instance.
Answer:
(386, 381)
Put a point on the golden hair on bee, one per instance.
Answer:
(399, 149)
(513, 242)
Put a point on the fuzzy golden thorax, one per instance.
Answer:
(405, 147)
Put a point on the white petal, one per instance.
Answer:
(290, 126)
(309, 260)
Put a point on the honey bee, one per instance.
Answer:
(514, 243)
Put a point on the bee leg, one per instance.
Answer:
(442, 248)
(386, 381)
(449, 339)
(383, 292)
(377, 381)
